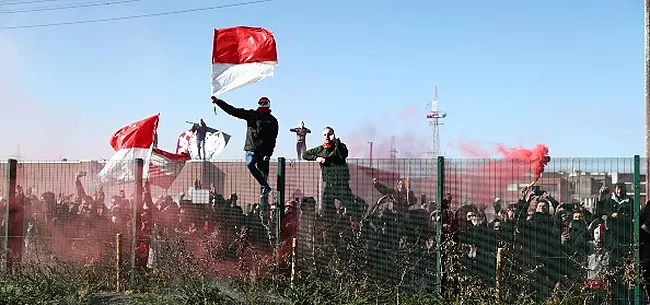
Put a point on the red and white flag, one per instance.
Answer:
(183, 142)
(165, 167)
(241, 56)
(130, 143)
(215, 142)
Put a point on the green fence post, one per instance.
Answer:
(636, 225)
(438, 265)
(137, 206)
(279, 207)
(12, 166)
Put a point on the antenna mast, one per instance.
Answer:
(435, 120)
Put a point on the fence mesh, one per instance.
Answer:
(4, 219)
(359, 226)
(377, 222)
(62, 216)
(211, 218)
(570, 232)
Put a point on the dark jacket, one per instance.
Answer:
(261, 128)
(335, 169)
(403, 200)
(201, 131)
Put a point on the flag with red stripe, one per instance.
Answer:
(165, 167)
(130, 142)
(241, 56)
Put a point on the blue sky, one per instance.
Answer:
(568, 74)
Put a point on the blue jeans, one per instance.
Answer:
(200, 145)
(258, 167)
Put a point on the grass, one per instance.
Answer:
(342, 276)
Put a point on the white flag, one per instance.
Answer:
(215, 142)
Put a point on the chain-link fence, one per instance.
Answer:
(212, 218)
(60, 215)
(571, 231)
(416, 225)
(4, 184)
(368, 223)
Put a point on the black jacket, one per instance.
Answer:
(261, 128)
(335, 169)
(201, 131)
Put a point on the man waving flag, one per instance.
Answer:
(241, 56)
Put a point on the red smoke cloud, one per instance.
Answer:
(480, 181)
(537, 157)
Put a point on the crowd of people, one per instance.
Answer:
(551, 242)
(82, 227)
(546, 244)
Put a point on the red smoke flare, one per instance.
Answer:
(538, 157)
(480, 179)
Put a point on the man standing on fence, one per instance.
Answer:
(261, 137)
(200, 128)
(331, 156)
(301, 138)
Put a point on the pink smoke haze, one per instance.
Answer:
(408, 144)
(41, 130)
(409, 112)
(471, 149)
(413, 143)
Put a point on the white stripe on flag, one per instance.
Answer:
(227, 77)
(122, 165)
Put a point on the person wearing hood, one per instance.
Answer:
(614, 211)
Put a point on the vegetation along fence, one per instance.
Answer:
(437, 225)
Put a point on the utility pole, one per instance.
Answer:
(647, 94)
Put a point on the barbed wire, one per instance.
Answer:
(223, 6)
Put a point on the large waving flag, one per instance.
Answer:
(130, 143)
(215, 142)
(241, 56)
(165, 167)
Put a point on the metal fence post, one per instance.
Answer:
(279, 207)
(118, 262)
(12, 165)
(137, 204)
(439, 199)
(636, 225)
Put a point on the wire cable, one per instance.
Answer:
(134, 16)
(9, 2)
(68, 6)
